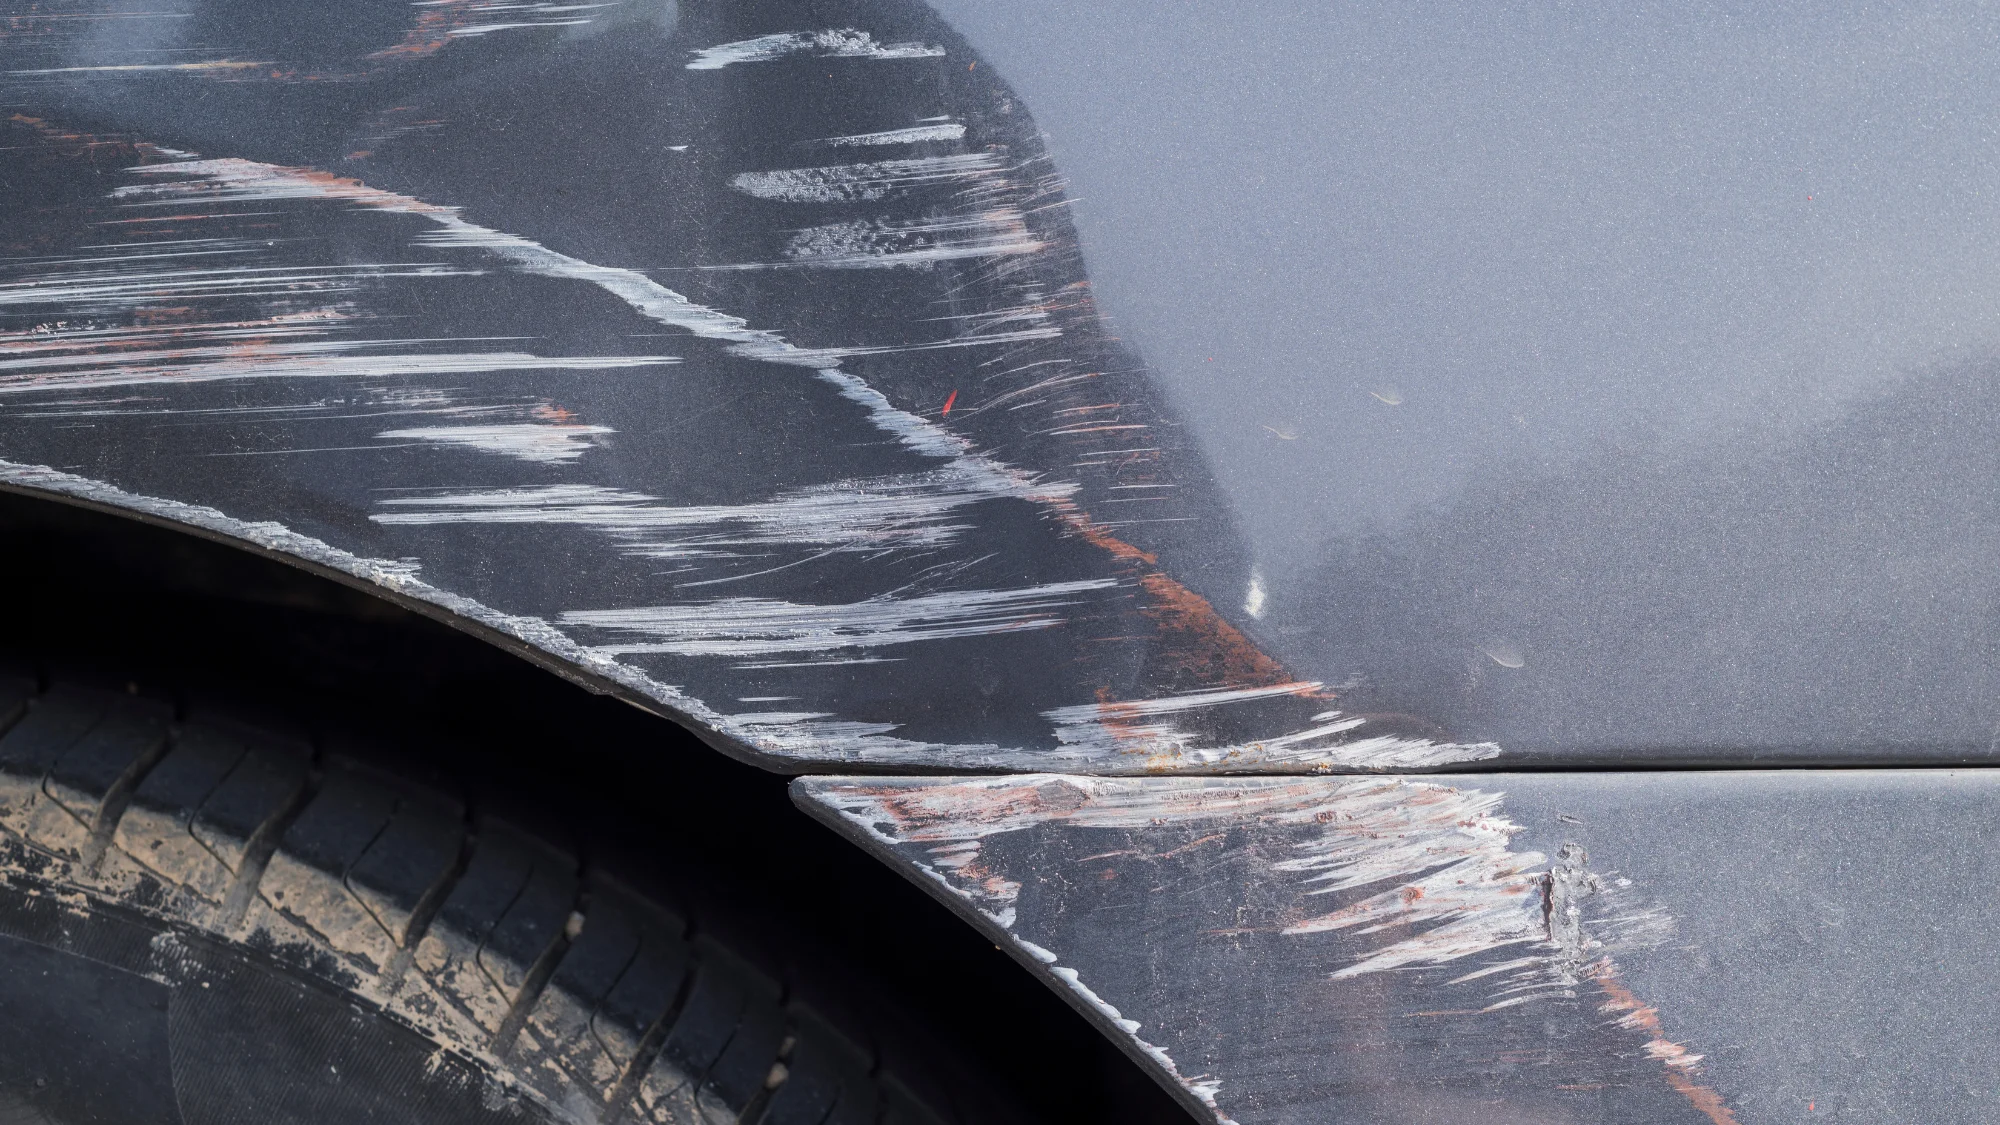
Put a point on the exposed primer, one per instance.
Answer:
(870, 514)
(860, 183)
(542, 443)
(842, 43)
(734, 627)
(916, 134)
(1136, 727)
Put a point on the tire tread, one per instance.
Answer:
(560, 981)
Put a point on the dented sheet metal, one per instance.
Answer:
(1701, 948)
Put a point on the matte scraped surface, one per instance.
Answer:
(742, 358)
(1503, 948)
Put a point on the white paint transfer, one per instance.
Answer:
(1449, 845)
(541, 443)
(1202, 1087)
(212, 66)
(869, 514)
(992, 897)
(104, 291)
(779, 627)
(1135, 728)
(880, 244)
(734, 627)
(319, 359)
(1426, 870)
(396, 576)
(838, 43)
(1178, 704)
(860, 183)
(915, 134)
(235, 180)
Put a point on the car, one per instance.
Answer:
(652, 561)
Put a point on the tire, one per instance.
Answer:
(208, 919)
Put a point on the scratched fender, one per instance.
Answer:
(1504, 947)
(772, 398)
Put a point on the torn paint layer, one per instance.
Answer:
(1367, 949)
(840, 43)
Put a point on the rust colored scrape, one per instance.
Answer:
(431, 31)
(1202, 648)
(1681, 1064)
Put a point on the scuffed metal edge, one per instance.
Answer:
(1036, 960)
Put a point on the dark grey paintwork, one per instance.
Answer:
(1527, 386)
(1753, 947)
(1586, 387)
(1686, 311)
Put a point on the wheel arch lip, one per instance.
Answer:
(394, 584)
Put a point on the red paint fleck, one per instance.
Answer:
(949, 399)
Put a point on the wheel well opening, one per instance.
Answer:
(117, 603)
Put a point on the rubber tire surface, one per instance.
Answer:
(212, 921)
